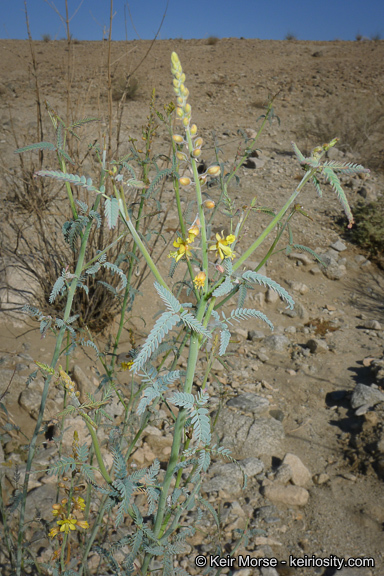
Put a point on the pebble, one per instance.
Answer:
(255, 335)
(289, 495)
(249, 402)
(317, 346)
(300, 475)
(321, 478)
(338, 246)
(372, 325)
(366, 395)
(276, 342)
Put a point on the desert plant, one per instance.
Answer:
(138, 519)
(359, 123)
(290, 36)
(369, 230)
(124, 88)
(212, 40)
(46, 37)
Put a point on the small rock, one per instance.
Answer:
(303, 258)
(298, 286)
(277, 342)
(315, 270)
(363, 394)
(360, 259)
(300, 475)
(271, 296)
(83, 383)
(283, 474)
(317, 346)
(321, 478)
(289, 495)
(255, 335)
(249, 402)
(338, 246)
(372, 325)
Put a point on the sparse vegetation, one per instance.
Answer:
(124, 88)
(290, 36)
(369, 229)
(46, 37)
(212, 40)
(359, 124)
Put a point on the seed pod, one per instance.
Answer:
(210, 204)
(178, 138)
(214, 170)
(185, 181)
(180, 156)
(198, 143)
(196, 153)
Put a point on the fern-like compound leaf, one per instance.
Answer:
(71, 178)
(115, 269)
(168, 298)
(246, 313)
(111, 211)
(257, 278)
(346, 167)
(157, 179)
(191, 322)
(57, 287)
(316, 183)
(224, 288)
(225, 337)
(296, 150)
(37, 146)
(138, 184)
(336, 185)
(163, 325)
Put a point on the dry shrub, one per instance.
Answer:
(368, 231)
(124, 88)
(359, 125)
(32, 244)
(212, 40)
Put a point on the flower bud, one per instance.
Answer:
(193, 130)
(198, 143)
(214, 170)
(180, 156)
(194, 230)
(180, 100)
(179, 112)
(185, 181)
(186, 122)
(210, 204)
(175, 83)
(196, 153)
(178, 138)
(187, 109)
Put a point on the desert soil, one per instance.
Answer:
(229, 82)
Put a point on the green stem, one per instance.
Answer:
(44, 396)
(275, 220)
(99, 458)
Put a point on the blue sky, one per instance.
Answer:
(264, 19)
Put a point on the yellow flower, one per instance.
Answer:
(183, 248)
(82, 524)
(222, 246)
(199, 280)
(54, 532)
(67, 524)
(78, 503)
